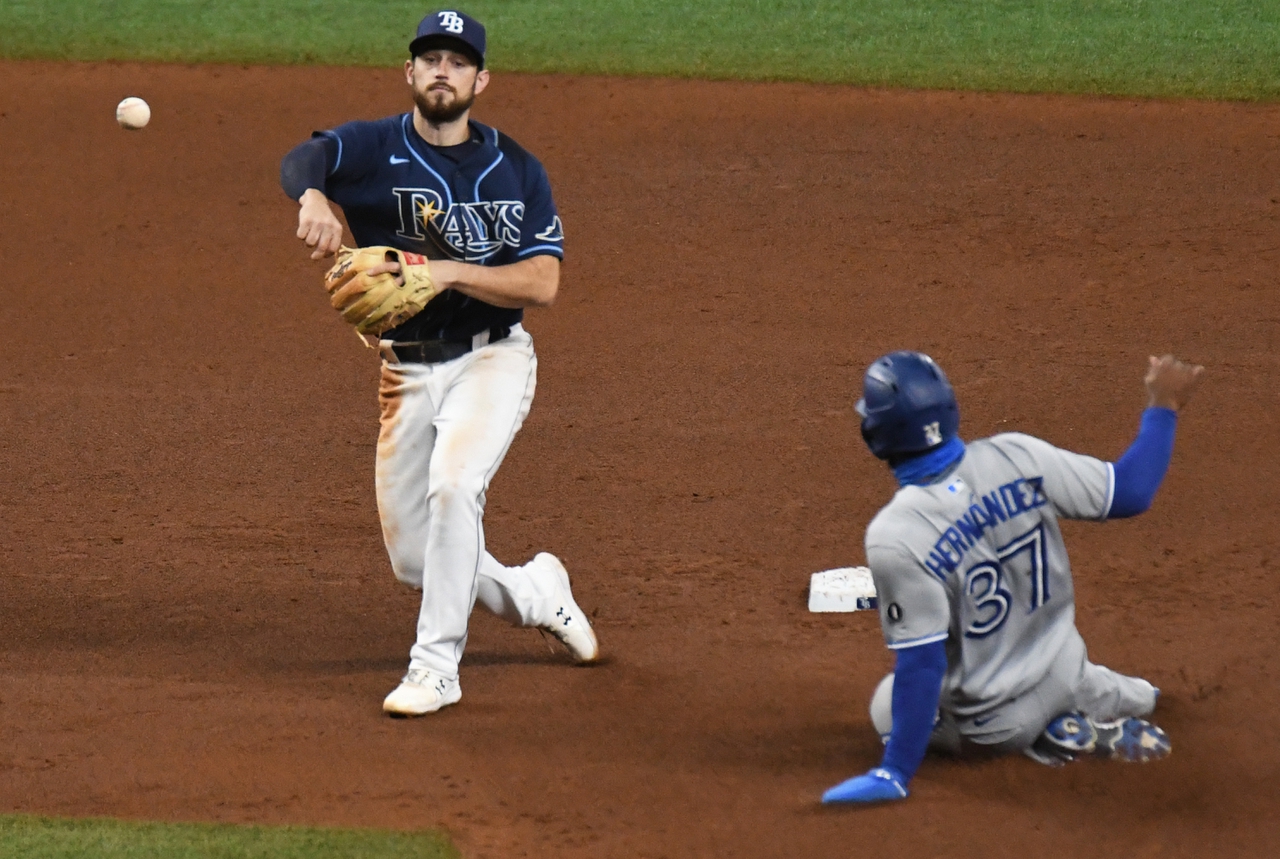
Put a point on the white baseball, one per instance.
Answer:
(133, 113)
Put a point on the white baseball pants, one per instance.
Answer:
(445, 429)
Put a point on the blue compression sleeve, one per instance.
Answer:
(306, 166)
(917, 685)
(1141, 469)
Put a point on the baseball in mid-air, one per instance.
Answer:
(133, 113)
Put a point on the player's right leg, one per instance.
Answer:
(480, 407)
(405, 439)
(1112, 706)
(407, 395)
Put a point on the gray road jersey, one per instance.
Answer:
(977, 560)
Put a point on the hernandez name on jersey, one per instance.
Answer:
(487, 202)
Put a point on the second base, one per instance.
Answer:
(842, 589)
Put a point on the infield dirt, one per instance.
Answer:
(199, 621)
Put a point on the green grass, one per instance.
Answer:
(49, 838)
(1203, 48)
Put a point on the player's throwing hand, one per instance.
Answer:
(318, 226)
(1170, 382)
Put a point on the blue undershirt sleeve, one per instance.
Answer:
(1141, 469)
(917, 686)
(306, 166)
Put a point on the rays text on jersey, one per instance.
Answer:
(469, 232)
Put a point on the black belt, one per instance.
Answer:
(439, 351)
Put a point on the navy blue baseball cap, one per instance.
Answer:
(439, 29)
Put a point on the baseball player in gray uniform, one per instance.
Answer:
(974, 585)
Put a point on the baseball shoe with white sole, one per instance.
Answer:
(568, 623)
(421, 692)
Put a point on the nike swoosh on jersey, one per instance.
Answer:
(395, 160)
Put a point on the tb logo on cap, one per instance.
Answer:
(451, 22)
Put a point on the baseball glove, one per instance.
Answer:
(374, 304)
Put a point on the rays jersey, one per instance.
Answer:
(977, 560)
(486, 202)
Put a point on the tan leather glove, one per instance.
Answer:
(377, 303)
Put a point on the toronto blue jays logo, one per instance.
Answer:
(467, 232)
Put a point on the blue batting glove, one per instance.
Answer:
(878, 785)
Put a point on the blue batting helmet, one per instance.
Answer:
(907, 406)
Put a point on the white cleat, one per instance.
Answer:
(569, 623)
(421, 692)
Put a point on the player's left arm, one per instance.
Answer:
(534, 279)
(531, 282)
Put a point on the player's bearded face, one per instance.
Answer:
(443, 90)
